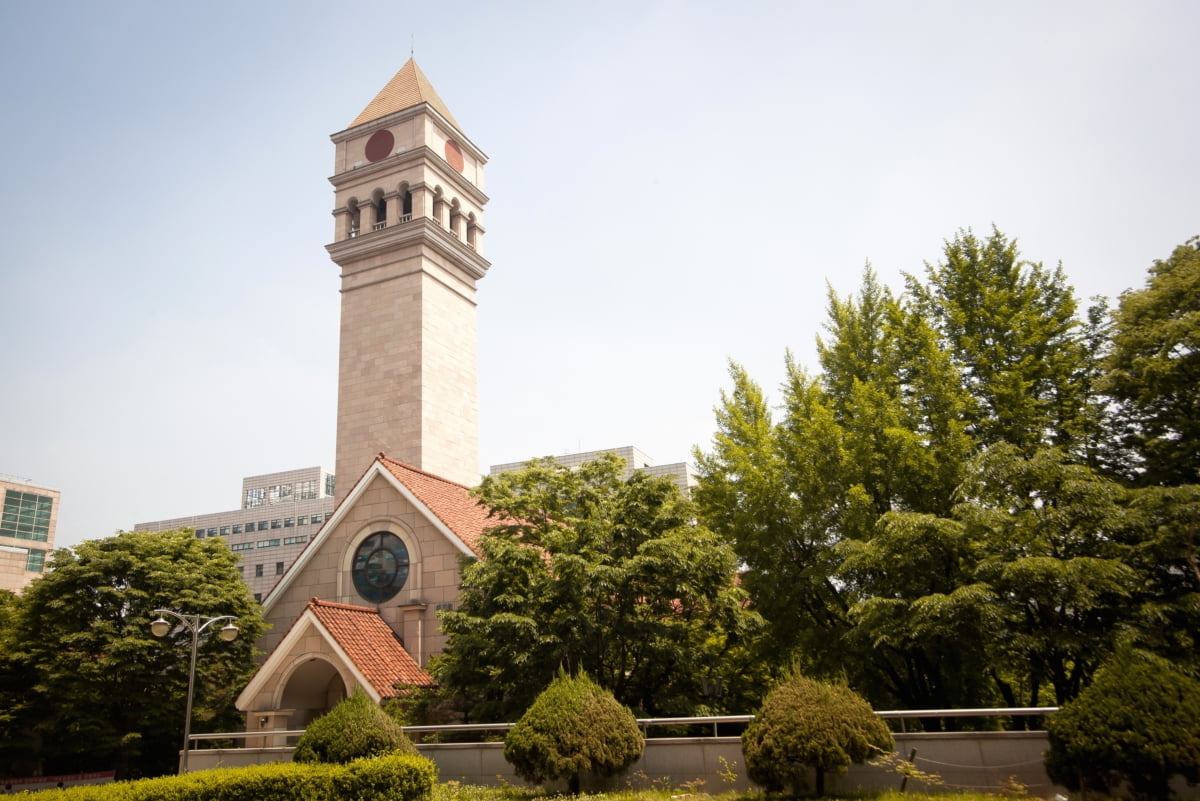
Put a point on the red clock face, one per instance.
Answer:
(454, 156)
(379, 146)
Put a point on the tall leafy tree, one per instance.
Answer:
(107, 694)
(848, 511)
(586, 570)
(1011, 327)
(1154, 369)
(1051, 537)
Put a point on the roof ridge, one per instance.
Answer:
(338, 605)
(426, 473)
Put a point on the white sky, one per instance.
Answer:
(673, 185)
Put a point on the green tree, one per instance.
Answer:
(1154, 369)
(355, 728)
(878, 431)
(1052, 554)
(804, 723)
(574, 728)
(1010, 326)
(107, 694)
(590, 571)
(1138, 722)
(848, 511)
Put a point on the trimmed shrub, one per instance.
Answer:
(386, 778)
(1137, 722)
(397, 777)
(805, 723)
(356, 728)
(575, 727)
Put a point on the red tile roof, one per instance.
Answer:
(451, 503)
(370, 644)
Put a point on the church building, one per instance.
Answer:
(359, 605)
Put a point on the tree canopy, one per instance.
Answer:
(948, 513)
(587, 570)
(100, 691)
(1153, 369)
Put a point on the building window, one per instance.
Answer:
(307, 490)
(279, 568)
(300, 540)
(26, 516)
(317, 518)
(329, 482)
(302, 520)
(380, 214)
(35, 560)
(262, 525)
(279, 493)
(199, 533)
(255, 497)
(224, 531)
(212, 532)
(258, 597)
(258, 571)
(267, 543)
(380, 567)
(237, 528)
(242, 546)
(289, 522)
(276, 523)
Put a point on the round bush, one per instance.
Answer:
(809, 724)
(357, 727)
(573, 728)
(1137, 722)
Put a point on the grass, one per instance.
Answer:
(453, 791)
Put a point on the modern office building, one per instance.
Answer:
(27, 524)
(682, 473)
(279, 514)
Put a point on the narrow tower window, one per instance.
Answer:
(380, 214)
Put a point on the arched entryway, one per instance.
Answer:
(312, 689)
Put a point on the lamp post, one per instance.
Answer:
(195, 624)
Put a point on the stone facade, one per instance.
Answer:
(432, 579)
(408, 234)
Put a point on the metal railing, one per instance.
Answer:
(646, 724)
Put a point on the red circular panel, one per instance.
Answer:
(379, 146)
(454, 156)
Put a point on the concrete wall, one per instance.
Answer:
(986, 761)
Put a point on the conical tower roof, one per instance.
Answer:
(407, 88)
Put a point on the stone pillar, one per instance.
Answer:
(341, 224)
(421, 202)
(394, 208)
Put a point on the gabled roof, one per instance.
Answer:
(451, 502)
(370, 644)
(357, 638)
(407, 88)
(448, 505)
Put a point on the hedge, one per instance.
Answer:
(395, 777)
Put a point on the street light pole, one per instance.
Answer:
(195, 624)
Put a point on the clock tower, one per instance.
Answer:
(408, 234)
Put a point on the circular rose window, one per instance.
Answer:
(380, 567)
